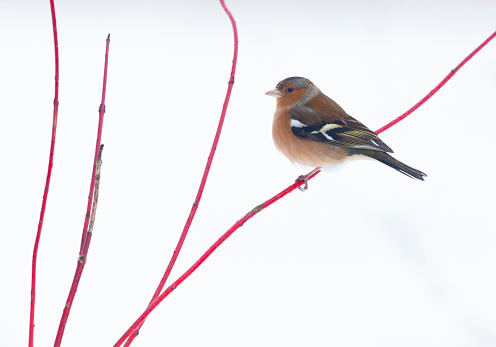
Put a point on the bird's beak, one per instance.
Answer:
(274, 92)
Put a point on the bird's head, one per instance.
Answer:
(291, 90)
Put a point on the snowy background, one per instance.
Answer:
(366, 257)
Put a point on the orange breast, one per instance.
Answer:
(302, 151)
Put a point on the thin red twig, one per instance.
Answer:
(434, 91)
(49, 175)
(85, 243)
(256, 210)
(101, 112)
(207, 254)
(194, 208)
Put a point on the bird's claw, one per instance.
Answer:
(303, 178)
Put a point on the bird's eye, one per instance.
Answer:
(290, 89)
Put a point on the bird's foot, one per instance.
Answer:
(303, 178)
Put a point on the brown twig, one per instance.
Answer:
(95, 195)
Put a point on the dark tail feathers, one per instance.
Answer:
(391, 162)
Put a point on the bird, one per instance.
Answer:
(311, 129)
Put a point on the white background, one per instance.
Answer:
(366, 257)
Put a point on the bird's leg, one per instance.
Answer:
(304, 178)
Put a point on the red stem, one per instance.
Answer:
(259, 208)
(207, 254)
(194, 208)
(101, 112)
(49, 175)
(434, 91)
(85, 243)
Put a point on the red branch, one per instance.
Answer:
(207, 254)
(85, 242)
(435, 90)
(101, 112)
(194, 208)
(49, 175)
(264, 205)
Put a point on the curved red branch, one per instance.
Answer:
(196, 203)
(49, 175)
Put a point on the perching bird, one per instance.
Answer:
(312, 130)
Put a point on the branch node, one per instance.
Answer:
(258, 208)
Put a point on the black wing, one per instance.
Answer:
(347, 132)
